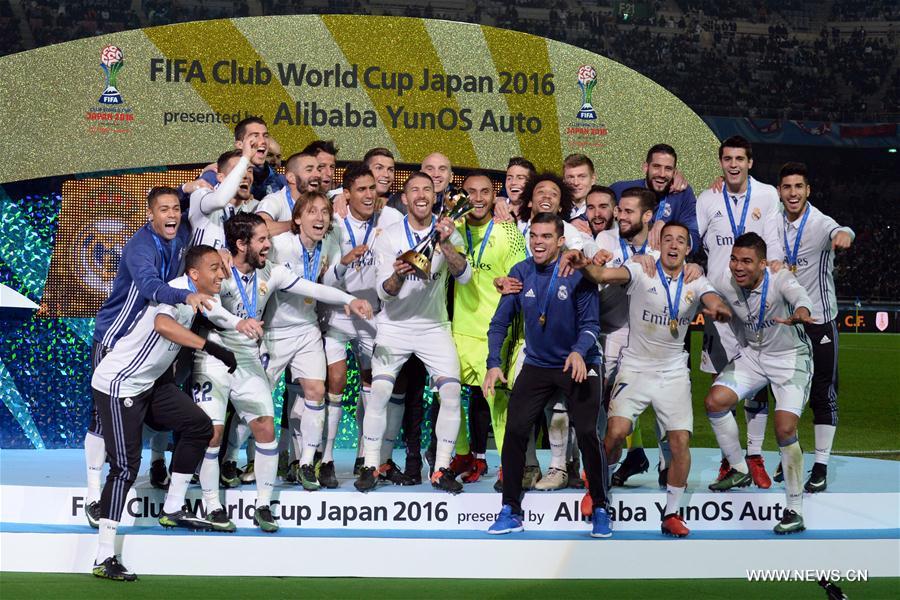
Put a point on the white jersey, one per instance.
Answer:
(651, 345)
(358, 278)
(613, 298)
(142, 355)
(784, 295)
(289, 313)
(210, 208)
(278, 205)
(763, 218)
(420, 302)
(814, 260)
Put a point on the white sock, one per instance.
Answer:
(673, 498)
(311, 426)
(395, 410)
(375, 420)
(209, 479)
(824, 440)
(266, 469)
(94, 457)
(107, 544)
(558, 436)
(237, 435)
(335, 411)
(726, 430)
(295, 422)
(792, 466)
(178, 485)
(756, 426)
(447, 427)
(159, 443)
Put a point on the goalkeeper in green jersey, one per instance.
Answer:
(492, 248)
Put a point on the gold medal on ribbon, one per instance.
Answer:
(673, 327)
(759, 336)
(793, 268)
(308, 300)
(542, 320)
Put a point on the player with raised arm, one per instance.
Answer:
(413, 320)
(253, 283)
(769, 308)
(493, 249)
(652, 368)
(810, 240)
(561, 316)
(302, 175)
(153, 256)
(134, 383)
(292, 334)
(211, 207)
(353, 270)
(743, 205)
(675, 199)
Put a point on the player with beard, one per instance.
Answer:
(675, 202)
(413, 320)
(253, 283)
(600, 209)
(210, 208)
(302, 173)
(771, 308)
(326, 162)
(810, 240)
(493, 249)
(743, 204)
(353, 270)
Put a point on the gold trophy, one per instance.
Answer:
(419, 256)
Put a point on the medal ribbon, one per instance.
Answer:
(311, 262)
(737, 230)
(762, 305)
(624, 247)
(290, 199)
(249, 303)
(409, 233)
(550, 290)
(792, 258)
(470, 247)
(673, 306)
(370, 224)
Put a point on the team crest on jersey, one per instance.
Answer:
(756, 214)
(263, 289)
(689, 297)
(562, 293)
(667, 211)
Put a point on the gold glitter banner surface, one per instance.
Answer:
(171, 95)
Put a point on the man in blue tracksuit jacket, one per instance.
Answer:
(659, 172)
(562, 323)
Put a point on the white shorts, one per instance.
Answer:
(304, 353)
(720, 346)
(613, 343)
(790, 376)
(668, 392)
(359, 332)
(248, 389)
(434, 346)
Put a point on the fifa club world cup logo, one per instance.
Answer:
(111, 61)
(587, 81)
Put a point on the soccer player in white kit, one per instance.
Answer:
(742, 205)
(810, 241)
(253, 283)
(652, 369)
(413, 320)
(293, 336)
(352, 268)
(302, 174)
(210, 208)
(770, 309)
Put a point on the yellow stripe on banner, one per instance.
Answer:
(514, 52)
(212, 41)
(373, 43)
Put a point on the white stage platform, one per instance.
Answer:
(417, 531)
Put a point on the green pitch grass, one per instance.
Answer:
(869, 384)
(27, 585)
